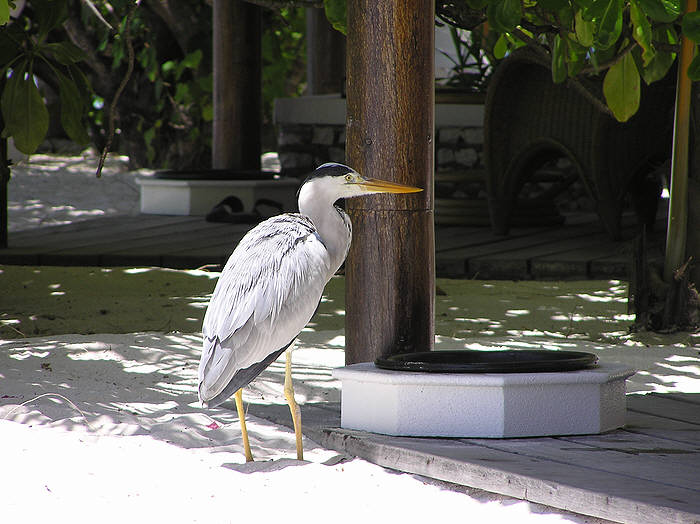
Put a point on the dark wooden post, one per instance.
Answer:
(4, 188)
(325, 54)
(236, 141)
(390, 271)
(4, 183)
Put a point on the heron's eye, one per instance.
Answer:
(348, 177)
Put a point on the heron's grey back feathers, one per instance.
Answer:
(267, 292)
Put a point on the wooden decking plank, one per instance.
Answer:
(130, 259)
(690, 398)
(155, 237)
(664, 407)
(168, 240)
(92, 224)
(623, 255)
(99, 231)
(203, 239)
(641, 420)
(479, 236)
(70, 259)
(659, 426)
(487, 244)
(218, 240)
(575, 261)
(521, 260)
(146, 246)
(220, 248)
(452, 235)
(224, 243)
(649, 449)
(673, 431)
(568, 485)
(82, 225)
(190, 261)
(193, 261)
(19, 258)
(562, 485)
(510, 244)
(603, 459)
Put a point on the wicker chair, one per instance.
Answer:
(530, 120)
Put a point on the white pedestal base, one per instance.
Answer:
(482, 405)
(162, 196)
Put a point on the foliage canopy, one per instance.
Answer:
(80, 51)
(626, 41)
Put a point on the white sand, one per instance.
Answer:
(140, 448)
(53, 190)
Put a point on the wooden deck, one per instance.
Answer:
(577, 249)
(647, 473)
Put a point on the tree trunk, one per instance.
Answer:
(390, 271)
(325, 55)
(237, 29)
(4, 187)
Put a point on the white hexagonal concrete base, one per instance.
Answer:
(163, 196)
(488, 405)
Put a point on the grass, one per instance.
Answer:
(40, 301)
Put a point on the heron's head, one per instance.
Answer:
(334, 181)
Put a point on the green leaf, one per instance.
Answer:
(694, 68)
(182, 93)
(641, 31)
(26, 117)
(559, 69)
(576, 58)
(82, 83)
(593, 9)
(4, 12)
(691, 25)
(65, 53)
(553, 5)
(9, 47)
(193, 59)
(621, 88)
(584, 30)
(504, 15)
(662, 10)
(208, 112)
(336, 13)
(566, 17)
(659, 65)
(609, 25)
(168, 66)
(500, 48)
(72, 110)
(50, 14)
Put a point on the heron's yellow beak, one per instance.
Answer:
(382, 186)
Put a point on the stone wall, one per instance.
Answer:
(305, 146)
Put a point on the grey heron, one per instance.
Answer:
(271, 286)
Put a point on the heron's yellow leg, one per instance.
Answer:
(244, 430)
(293, 406)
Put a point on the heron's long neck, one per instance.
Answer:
(332, 225)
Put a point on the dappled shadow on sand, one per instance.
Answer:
(141, 384)
(145, 384)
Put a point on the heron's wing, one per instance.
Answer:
(266, 294)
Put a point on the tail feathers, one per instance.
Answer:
(240, 379)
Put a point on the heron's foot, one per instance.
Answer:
(244, 429)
